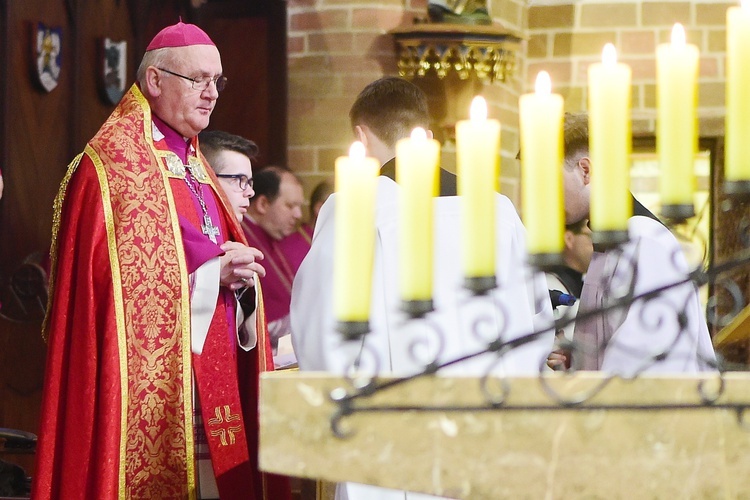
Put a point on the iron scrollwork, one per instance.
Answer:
(426, 350)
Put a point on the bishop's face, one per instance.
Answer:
(182, 107)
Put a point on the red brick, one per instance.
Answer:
(665, 13)
(353, 83)
(327, 155)
(608, 14)
(379, 19)
(319, 130)
(294, 4)
(330, 42)
(300, 107)
(373, 43)
(295, 44)
(301, 159)
(711, 94)
(708, 67)
(643, 69)
(551, 16)
(717, 40)
(313, 64)
(638, 42)
(559, 72)
(353, 64)
(314, 86)
(707, 14)
(314, 21)
(536, 47)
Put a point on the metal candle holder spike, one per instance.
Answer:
(544, 261)
(678, 212)
(737, 187)
(417, 308)
(480, 285)
(353, 330)
(609, 239)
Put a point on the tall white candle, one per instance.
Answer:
(610, 143)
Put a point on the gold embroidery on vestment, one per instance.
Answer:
(157, 455)
(231, 431)
(176, 169)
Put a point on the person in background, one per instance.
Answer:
(150, 391)
(388, 110)
(319, 196)
(667, 334)
(567, 278)
(231, 157)
(384, 112)
(271, 226)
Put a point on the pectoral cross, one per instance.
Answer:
(209, 229)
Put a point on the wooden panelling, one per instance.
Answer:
(251, 37)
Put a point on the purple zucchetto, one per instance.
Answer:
(180, 35)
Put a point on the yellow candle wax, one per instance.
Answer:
(541, 120)
(737, 167)
(676, 97)
(610, 143)
(354, 245)
(477, 147)
(417, 160)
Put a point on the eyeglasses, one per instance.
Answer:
(202, 82)
(243, 180)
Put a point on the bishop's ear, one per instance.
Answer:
(153, 81)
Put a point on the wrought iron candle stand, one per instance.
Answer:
(357, 397)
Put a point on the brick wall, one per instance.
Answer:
(565, 39)
(336, 47)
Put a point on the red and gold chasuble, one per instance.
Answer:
(117, 407)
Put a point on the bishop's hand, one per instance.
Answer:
(239, 264)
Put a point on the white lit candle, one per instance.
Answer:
(541, 120)
(477, 147)
(354, 246)
(610, 143)
(737, 167)
(417, 160)
(676, 139)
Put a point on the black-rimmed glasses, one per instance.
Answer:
(201, 82)
(243, 180)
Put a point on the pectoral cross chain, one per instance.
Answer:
(207, 227)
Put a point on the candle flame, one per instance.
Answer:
(357, 150)
(609, 54)
(419, 134)
(678, 34)
(478, 110)
(543, 83)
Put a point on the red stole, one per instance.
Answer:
(216, 377)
